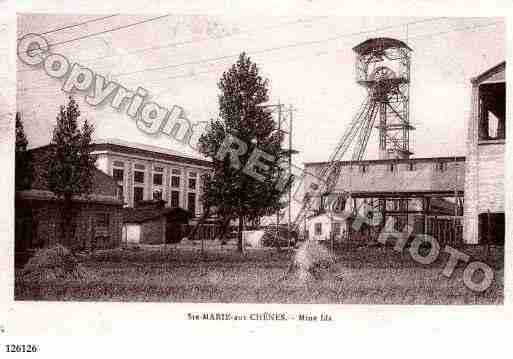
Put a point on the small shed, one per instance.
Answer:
(322, 226)
(153, 225)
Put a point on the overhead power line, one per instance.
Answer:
(76, 25)
(324, 52)
(192, 41)
(305, 43)
(108, 30)
(297, 44)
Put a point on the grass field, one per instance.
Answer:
(179, 273)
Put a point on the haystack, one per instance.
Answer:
(52, 263)
(312, 261)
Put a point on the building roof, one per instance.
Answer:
(381, 43)
(47, 195)
(319, 213)
(490, 73)
(393, 160)
(134, 148)
(104, 187)
(143, 214)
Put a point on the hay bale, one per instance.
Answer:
(52, 263)
(312, 260)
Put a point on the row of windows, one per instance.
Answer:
(392, 167)
(139, 178)
(158, 177)
(175, 198)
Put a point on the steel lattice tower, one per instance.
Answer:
(383, 68)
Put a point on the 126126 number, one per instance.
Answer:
(21, 348)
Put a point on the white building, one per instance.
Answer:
(322, 226)
(153, 173)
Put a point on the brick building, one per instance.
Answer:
(410, 190)
(146, 172)
(97, 217)
(484, 185)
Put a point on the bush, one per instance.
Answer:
(312, 260)
(52, 263)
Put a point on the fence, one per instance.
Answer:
(446, 229)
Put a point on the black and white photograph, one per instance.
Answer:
(197, 158)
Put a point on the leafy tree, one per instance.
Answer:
(71, 164)
(24, 171)
(232, 191)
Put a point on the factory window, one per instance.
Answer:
(318, 229)
(492, 111)
(175, 178)
(157, 179)
(118, 173)
(441, 166)
(157, 194)
(138, 176)
(192, 180)
(491, 228)
(138, 194)
(175, 199)
(191, 203)
(192, 183)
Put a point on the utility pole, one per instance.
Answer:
(290, 153)
(290, 174)
(285, 125)
(278, 211)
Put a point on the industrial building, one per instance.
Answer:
(484, 173)
(411, 191)
(455, 199)
(146, 173)
(97, 217)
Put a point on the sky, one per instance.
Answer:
(308, 60)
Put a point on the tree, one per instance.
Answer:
(71, 164)
(232, 191)
(23, 162)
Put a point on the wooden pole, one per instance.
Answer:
(289, 176)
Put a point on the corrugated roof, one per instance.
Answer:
(392, 160)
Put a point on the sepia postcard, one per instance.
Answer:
(259, 171)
